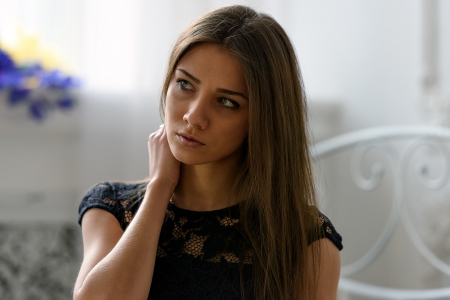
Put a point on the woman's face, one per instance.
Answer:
(206, 116)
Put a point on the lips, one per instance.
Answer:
(189, 140)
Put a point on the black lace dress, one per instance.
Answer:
(199, 254)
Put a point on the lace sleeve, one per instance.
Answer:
(120, 199)
(100, 196)
(328, 231)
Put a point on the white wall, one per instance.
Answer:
(364, 54)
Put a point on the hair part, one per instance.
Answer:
(275, 184)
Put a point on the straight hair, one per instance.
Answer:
(274, 185)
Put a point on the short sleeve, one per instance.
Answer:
(328, 231)
(101, 196)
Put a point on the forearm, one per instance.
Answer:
(126, 271)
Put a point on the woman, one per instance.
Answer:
(229, 209)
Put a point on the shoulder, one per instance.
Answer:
(328, 231)
(323, 229)
(118, 198)
(329, 267)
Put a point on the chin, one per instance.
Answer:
(192, 161)
(201, 157)
(189, 158)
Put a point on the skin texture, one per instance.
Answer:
(207, 101)
(196, 176)
(200, 107)
(330, 268)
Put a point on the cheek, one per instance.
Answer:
(237, 134)
(172, 111)
(172, 147)
(170, 120)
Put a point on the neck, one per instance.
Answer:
(205, 187)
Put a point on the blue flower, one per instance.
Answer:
(18, 95)
(66, 102)
(56, 79)
(6, 63)
(39, 109)
(11, 79)
(42, 90)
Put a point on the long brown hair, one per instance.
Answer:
(274, 185)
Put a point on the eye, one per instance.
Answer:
(184, 85)
(229, 103)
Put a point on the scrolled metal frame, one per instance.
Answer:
(363, 141)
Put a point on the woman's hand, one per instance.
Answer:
(164, 168)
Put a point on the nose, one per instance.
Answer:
(197, 113)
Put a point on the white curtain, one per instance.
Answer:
(116, 46)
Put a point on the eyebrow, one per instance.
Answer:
(231, 93)
(220, 90)
(197, 81)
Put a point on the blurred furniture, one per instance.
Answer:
(386, 191)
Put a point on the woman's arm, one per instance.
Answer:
(329, 269)
(117, 264)
(101, 232)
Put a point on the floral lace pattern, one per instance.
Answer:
(210, 236)
(200, 255)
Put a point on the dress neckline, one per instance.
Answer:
(230, 210)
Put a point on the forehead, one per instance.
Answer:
(211, 63)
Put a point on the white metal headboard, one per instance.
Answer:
(381, 137)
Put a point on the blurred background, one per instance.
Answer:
(364, 64)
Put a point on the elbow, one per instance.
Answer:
(100, 294)
(79, 294)
(82, 294)
(85, 290)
